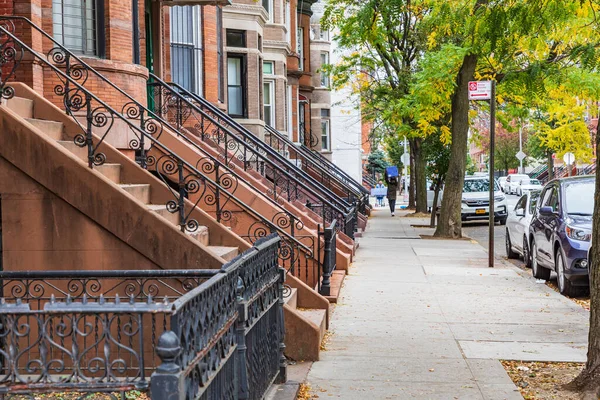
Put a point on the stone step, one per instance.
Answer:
(292, 299)
(161, 210)
(23, 107)
(139, 191)
(79, 152)
(111, 171)
(51, 128)
(317, 317)
(227, 253)
(201, 235)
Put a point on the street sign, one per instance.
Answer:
(405, 158)
(569, 158)
(480, 90)
(521, 156)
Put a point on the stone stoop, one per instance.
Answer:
(306, 315)
(337, 281)
(142, 192)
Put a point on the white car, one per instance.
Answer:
(502, 182)
(475, 200)
(517, 227)
(527, 185)
(431, 195)
(512, 182)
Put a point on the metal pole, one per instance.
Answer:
(491, 167)
(521, 144)
(405, 170)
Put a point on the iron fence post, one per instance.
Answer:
(243, 391)
(282, 377)
(166, 382)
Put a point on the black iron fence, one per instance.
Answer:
(328, 265)
(178, 334)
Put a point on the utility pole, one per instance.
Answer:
(492, 178)
(521, 171)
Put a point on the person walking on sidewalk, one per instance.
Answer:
(380, 185)
(392, 189)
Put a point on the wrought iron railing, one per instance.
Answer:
(183, 334)
(239, 147)
(330, 174)
(328, 265)
(184, 180)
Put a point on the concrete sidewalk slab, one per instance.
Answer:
(426, 319)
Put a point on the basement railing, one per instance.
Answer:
(185, 180)
(174, 334)
(238, 146)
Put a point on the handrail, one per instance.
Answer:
(77, 98)
(317, 158)
(248, 136)
(177, 99)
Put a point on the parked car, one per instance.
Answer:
(560, 233)
(517, 227)
(475, 200)
(431, 195)
(512, 182)
(527, 185)
(502, 182)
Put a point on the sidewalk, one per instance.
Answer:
(426, 319)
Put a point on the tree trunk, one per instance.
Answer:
(436, 195)
(450, 224)
(550, 164)
(411, 182)
(589, 379)
(420, 176)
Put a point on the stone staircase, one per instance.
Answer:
(126, 175)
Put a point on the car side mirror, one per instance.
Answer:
(546, 211)
(520, 213)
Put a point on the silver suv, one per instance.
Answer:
(475, 200)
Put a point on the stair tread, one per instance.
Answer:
(314, 315)
(155, 207)
(292, 299)
(222, 249)
(133, 184)
(43, 120)
(21, 105)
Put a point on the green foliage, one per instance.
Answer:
(377, 162)
(437, 156)
(470, 168)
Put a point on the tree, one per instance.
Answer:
(384, 41)
(376, 162)
(437, 155)
(507, 141)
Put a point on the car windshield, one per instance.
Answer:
(478, 185)
(534, 182)
(579, 197)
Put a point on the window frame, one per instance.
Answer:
(244, 84)
(325, 82)
(244, 38)
(269, 10)
(271, 84)
(196, 84)
(98, 28)
(300, 49)
(327, 124)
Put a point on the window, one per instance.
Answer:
(324, 34)
(534, 197)
(221, 77)
(79, 26)
(236, 38)
(269, 102)
(325, 135)
(186, 47)
(268, 6)
(301, 49)
(288, 22)
(325, 113)
(288, 121)
(521, 204)
(268, 68)
(236, 90)
(324, 74)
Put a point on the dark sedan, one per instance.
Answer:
(560, 233)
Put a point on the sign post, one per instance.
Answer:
(486, 90)
(569, 159)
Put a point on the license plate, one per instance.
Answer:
(480, 211)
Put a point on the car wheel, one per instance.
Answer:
(509, 250)
(526, 255)
(538, 271)
(564, 285)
